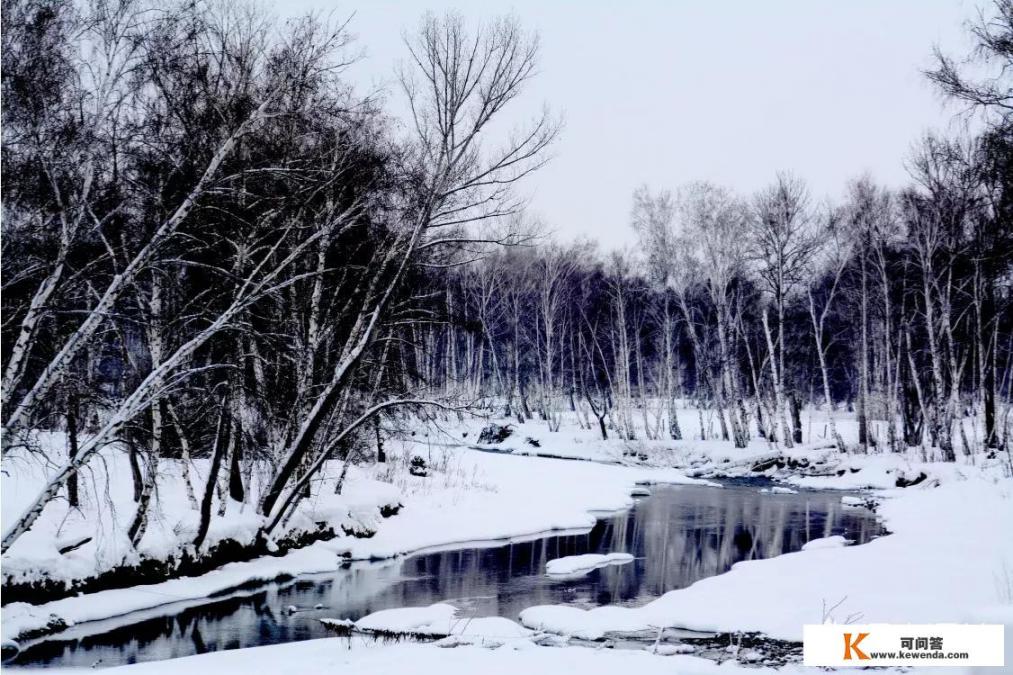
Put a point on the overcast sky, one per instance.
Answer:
(668, 92)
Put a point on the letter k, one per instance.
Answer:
(852, 646)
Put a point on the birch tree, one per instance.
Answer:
(228, 107)
(782, 243)
(456, 83)
(714, 222)
(653, 218)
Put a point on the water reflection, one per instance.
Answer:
(678, 535)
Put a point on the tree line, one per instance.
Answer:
(750, 309)
(894, 303)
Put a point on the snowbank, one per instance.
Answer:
(836, 541)
(582, 564)
(516, 497)
(20, 617)
(107, 507)
(339, 655)
(439, 620)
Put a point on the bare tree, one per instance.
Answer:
(782, 243)
(460, 82)
(936, 222)
(60, 129)
(833, 257)
(653, 218)
(714, 223)
(245, 92)
(991, 93)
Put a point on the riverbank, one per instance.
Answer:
(86, 548)
(467, 496)
(947, 558)
(340, 655)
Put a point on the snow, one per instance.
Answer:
(471, 497)
(670, 650)
(582, 564)
(516, 497)
(778, 490)
(949, 556)
(19, 617)
(440, 620)
(949, 546)
(576, 622)
(107, 508)
(836, 541)
(434, 619)
(339, 655)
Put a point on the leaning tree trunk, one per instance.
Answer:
(82, 335)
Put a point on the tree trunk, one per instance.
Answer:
(381, 455)
(942, 423)
(221, 441)
(237, 491)
(72, 426)
(863, 374)
(185, 458)
(991, 437)
(796, 417)
(139, 524)
(779, 403)
(135, 469)
(674, 430)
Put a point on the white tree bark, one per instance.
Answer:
(20, 411)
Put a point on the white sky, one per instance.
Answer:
(729, 91)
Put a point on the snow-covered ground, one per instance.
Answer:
(339, 655)
(468, 497)
(835, 541)
(949, 557)
(335, 655)
(107, 507)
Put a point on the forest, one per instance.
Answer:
(218, 255)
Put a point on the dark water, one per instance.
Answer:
(678, 535)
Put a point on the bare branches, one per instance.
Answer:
(992, 93)
(462, 81)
